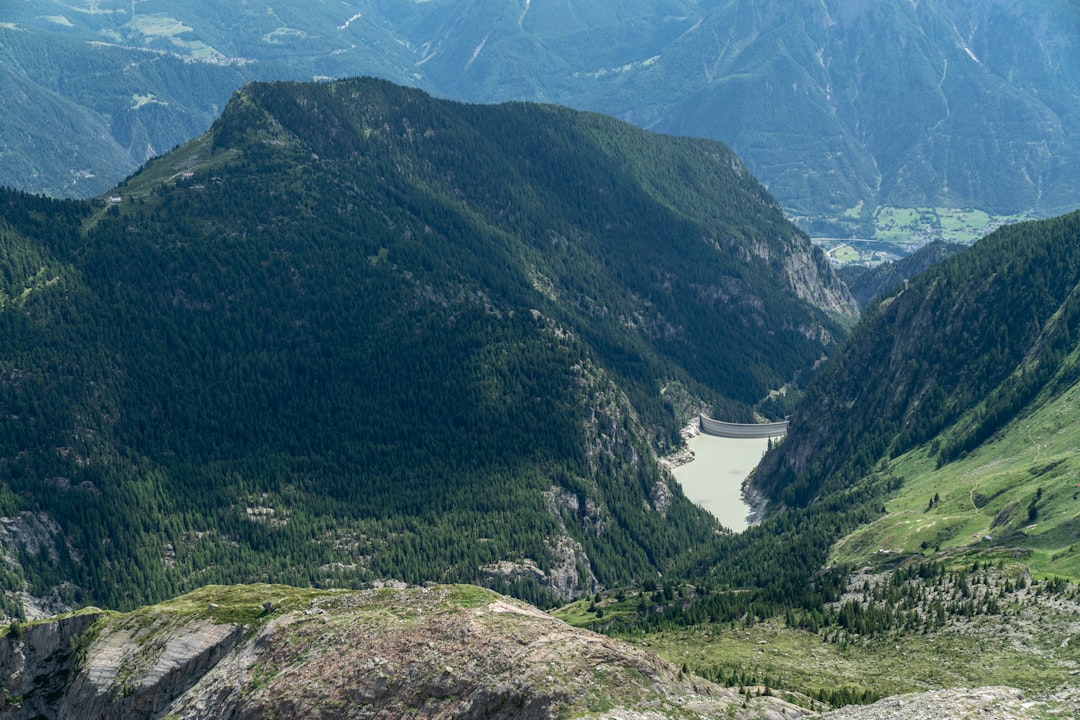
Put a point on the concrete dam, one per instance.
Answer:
(744, 431)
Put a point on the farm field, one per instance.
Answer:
(873, 237)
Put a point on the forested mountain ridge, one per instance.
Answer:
(866, 283)
(963, 357)
(837, 106)
(355, 332)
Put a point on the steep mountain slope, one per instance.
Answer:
(52, 144)
(357, 332)
(951, 103)
(909, 104)
(867, 283)
(1014, 495)
(981, 343)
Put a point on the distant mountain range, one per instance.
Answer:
(836, 105)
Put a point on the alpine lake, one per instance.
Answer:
(714, 478)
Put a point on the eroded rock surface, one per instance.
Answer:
(434, 652)
(986, 703)
(439, 652)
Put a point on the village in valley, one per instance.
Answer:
(897, 232)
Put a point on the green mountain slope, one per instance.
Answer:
(51, 144)
(355, 332)
(975, 358)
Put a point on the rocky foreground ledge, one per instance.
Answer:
(440, 652)
(272, 651)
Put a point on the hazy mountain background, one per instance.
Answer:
(835, 105)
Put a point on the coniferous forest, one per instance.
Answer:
(357, 333)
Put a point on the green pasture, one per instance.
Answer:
(1018, 493)
(844, 254)
(914, 227)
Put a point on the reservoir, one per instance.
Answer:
(714, 479)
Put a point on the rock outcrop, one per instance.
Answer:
(269, 651)
(986, 703)
(37, 662)
(437, 652)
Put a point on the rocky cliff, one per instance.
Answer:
(268, 651)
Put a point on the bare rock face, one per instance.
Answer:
(37, 662)
(270, 651)
(570, 577)
(33, 535)
(815, 282)
(94, 665)
(137, 671)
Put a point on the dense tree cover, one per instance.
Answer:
(977, 336)
(776, 567)
(951, 357)
(359, 333)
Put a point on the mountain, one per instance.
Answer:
(972, 362)
(52, 144)
(933, 103)
(82, 115)
(921, 510)
(355, 332)
(866, 283)
(837, 106)
(831, 104)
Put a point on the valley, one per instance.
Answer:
(714, 478)
(272, 292)
(368, 398)
(896, 232)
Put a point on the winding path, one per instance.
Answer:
(719, 428)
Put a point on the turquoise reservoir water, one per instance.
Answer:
(714, 479)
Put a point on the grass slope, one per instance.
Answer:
(1019, 489)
